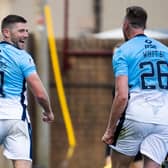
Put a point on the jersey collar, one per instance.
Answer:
(5, 42)
(140, 35)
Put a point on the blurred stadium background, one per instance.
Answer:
(80, 79)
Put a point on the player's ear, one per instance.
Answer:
(126, 26)
(6, 33)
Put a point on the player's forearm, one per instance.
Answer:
(43, 100)
(118, 107)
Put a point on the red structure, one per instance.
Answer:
(67, 52)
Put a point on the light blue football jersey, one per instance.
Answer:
(15, 66)
(145, 62)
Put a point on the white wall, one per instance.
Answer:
(114, 10)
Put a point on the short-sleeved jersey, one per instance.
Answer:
(145, 62)
(15, 66)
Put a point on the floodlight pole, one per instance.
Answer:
(42, 137)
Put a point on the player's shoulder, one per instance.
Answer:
(10, 49)
(124, 48)
(159, 43)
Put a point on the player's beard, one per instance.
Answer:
(19, 43)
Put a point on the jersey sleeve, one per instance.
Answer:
(27, 65)
(120, 66)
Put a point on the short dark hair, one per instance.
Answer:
(137, 16)
(12, 19)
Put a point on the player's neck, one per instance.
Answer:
(135, 33)
(7, 40)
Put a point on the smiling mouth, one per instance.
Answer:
(22, 41)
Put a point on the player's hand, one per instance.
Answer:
(48, 117)
(108, 137)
